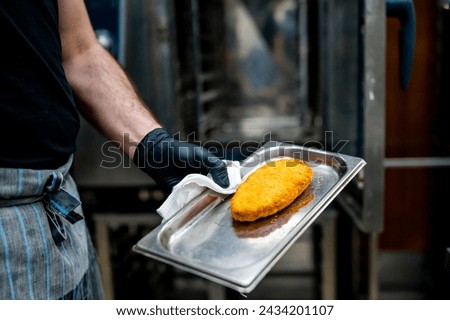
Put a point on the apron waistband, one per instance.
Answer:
(58, 201)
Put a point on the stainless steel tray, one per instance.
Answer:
(203, 238)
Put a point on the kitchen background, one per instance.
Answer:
(236, 73)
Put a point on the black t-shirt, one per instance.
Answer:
(38, 119)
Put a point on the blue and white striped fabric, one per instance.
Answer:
(45, 248)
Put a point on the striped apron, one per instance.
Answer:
(45, 248)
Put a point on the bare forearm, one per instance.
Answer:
(107, 98)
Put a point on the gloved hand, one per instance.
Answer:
(167, 160)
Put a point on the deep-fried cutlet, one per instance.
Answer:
(270, 188)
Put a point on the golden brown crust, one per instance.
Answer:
(270, 188)
(265, 226)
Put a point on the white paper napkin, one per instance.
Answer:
(194, 184)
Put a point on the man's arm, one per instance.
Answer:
(107, 99)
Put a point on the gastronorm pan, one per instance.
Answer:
(203, 239)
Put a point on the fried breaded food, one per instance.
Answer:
(270, 188)
(265, 226)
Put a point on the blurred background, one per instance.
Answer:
(366, 78)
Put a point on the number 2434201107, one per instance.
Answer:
(296, 310)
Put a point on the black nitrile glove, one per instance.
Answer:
(167, 160)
